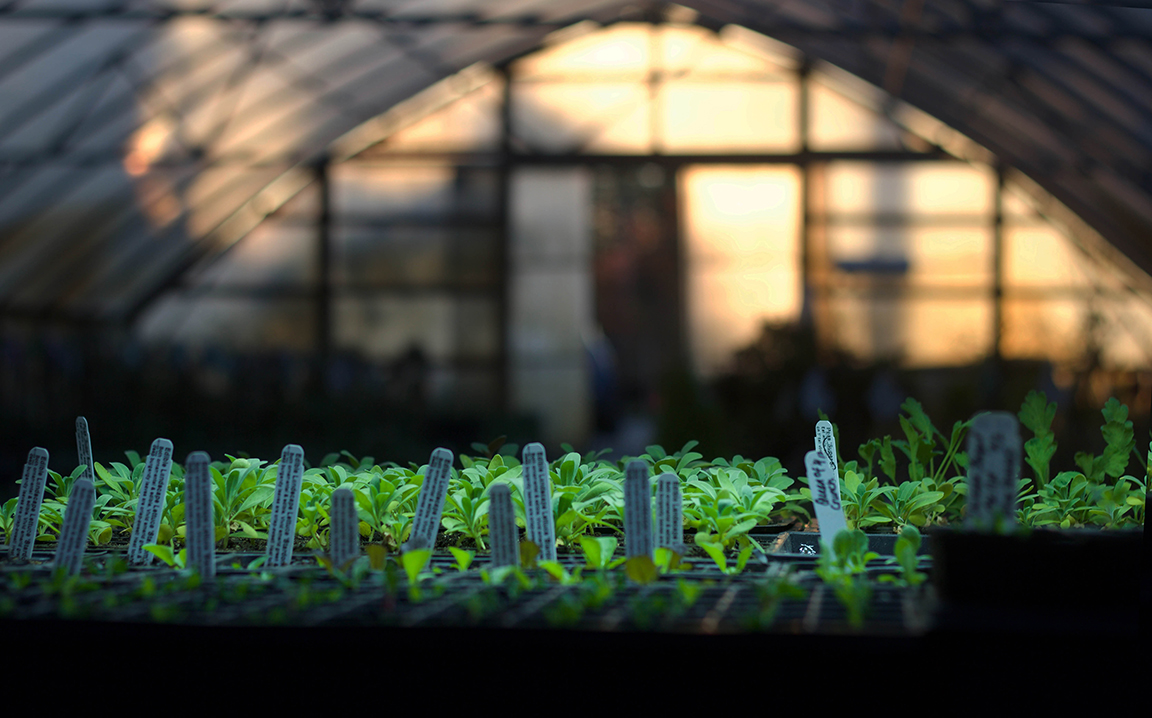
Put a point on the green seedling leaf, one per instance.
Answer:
(414, 562)
(463, 558)
(377, 554)
(667, 560)
(528, 553)
(164, 553)
(641, 569)
(713, 549)
(598, 550)
(689, 591)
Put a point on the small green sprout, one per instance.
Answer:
(463, 558)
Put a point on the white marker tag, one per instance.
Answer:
(541, 525)
(84, 449)
(27, 519)
(502, 527)
(430, 504)
(825, 488)
(150, 505)
(993, 470)
(74, 533)
(669, 513)
(285, 507)
(199, 528)
(637, 510)
(826, 444)
(343, 536)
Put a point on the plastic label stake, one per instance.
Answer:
(826, 444)
(541, 527)
(344, 540)
(84, 448)
(430, 505)
(285, 507)
(150, 506)
(669, 513)
(993, 470)
(74, 533)
(825, 488)
(637, 510)
(199, 529)
(24, 524)
(502, 527)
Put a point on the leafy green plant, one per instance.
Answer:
(910, 503)
(1037, 414)
(381, 502)
(777, 586)
(1117, 431)
(598, 552)
(863, 499)
(241, 497)
(715, 549)
(463, 558)
(466, 508)
(165, 554)
(414, 563)
(906, 556)
(843, 569)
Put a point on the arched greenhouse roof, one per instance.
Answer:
(109, 105)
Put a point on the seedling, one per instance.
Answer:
(414, 562)
(778, 586)
(598, 552)
(463, 558)
(843, 569)
(715, 549)
(906, 556)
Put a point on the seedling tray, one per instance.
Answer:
(307, 595)
(798, 544)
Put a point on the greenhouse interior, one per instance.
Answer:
(384, 226)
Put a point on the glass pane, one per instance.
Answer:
(838, 123)
(416, 256)
(273, 254)
(599, 117)
(551, 298)
(932, 256)
(400, 189)
(231, 323)
(729, 117)
(1051, 329)
(387, 327)
(1037, 256)
(917, 187)
(917, 333)
(741, 235)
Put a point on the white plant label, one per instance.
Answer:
(825, 487)
(285, 507)
(993, 470)
(669, 513)
(637, 510)
(74, 533)
(25, 523)
(199, 529)
(826, 444)
(150, 505)
(540, 524)
(344, 536)
(84, 448)
(430, 505)
(502, 527)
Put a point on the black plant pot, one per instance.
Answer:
(1081, 569)
(808, 543)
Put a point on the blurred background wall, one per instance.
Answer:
(384, 227)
